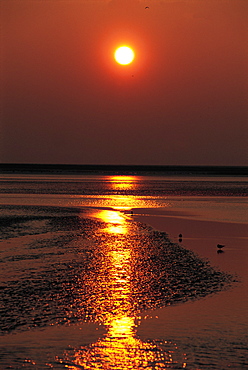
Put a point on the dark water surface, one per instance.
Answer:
(78, 273)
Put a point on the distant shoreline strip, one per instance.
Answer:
(30, 168)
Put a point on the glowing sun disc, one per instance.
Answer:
(124, 55)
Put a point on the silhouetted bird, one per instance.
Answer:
(220, 246)
(180, 237)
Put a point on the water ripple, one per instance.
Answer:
(79, 269)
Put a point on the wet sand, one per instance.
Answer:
(209, 333)
(208, 330)
(202, 237)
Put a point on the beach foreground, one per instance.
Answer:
(113, 286)
(216, 327)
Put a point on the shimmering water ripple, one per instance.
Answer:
(72, 269)
(123, 185)
(60, 266)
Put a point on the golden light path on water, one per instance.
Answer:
(96, 264)
(120, 348)
(119, 201)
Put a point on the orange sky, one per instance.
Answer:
(182, 101)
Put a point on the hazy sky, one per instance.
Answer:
(183, 101)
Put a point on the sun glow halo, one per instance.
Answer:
(124, 55)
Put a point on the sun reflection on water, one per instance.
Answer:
(121, 198)
(102, 267)
(120, 348)
(123, 182)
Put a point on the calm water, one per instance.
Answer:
(88, 283)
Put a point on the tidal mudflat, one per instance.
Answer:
(94, 274)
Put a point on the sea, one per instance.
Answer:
(123, 270)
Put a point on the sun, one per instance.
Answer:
(124, 55)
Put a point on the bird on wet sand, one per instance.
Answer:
(220, 246)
